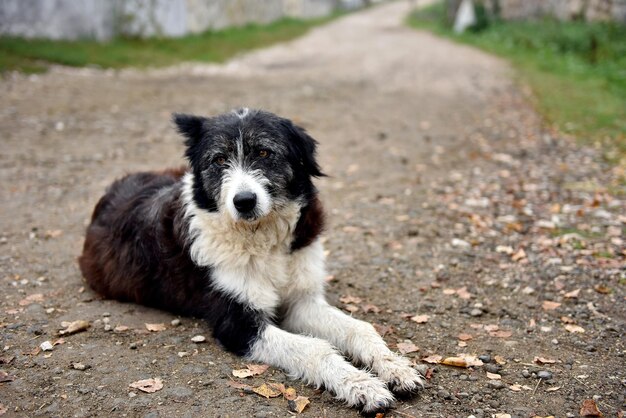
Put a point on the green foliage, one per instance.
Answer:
(577, 70)
(211, 46)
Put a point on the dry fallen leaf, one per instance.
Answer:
(155, 327)
(407, 347)
(573, 294)
(4, 377)
(148, 385)
(420, 319)
(350, 299)
(242, 373)
(73, 327)
(449, 292)
(465, 337)
(36, 297)
(517, 388)
(462, 361)
(251, 370)
(567, 320)
(370, 308)
(501, 334)
(548, 305)
(290, 394)
(553, 389)
(542, 360)
(590, 409)
(504, 249)
(6, 359)
(351, 308)
(432, 359)
(383, 330)
(55, 233)
(574, 328)
(600, 288)
(463, 293)
(3, 409)
(297, 405)
(493, 376)
(501, 415)
(270, 390)
(519, 255)
(500, 360)
(121, 328)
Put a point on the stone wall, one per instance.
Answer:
(103, 19)
(589, 10)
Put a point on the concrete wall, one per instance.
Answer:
(103, 19)
(589, 10)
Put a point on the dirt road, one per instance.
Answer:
(447, 202)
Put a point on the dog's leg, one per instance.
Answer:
(309, 313)
(317, 362)
(356, 338)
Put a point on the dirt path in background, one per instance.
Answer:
(446, 198)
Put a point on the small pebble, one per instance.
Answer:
(105, 314)
(496, 384)
(444, 394)
(80, 366)
(492, 368)
(198, 339)
(544, 374)
(525, 373)
(132, 346)
(107, 327)
(476, 312)
(485, 358)
(175, 322)
(46, 346)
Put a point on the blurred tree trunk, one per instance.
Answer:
(452, 7)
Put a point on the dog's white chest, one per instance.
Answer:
(254, 263)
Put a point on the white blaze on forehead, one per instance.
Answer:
(240, 149)
(242, 113)
(237, 180)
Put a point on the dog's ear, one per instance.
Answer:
(305, 148)
(190, 126)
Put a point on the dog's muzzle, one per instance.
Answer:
(245, 203)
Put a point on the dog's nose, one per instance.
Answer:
(244, 201)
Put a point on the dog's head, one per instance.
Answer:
(248, 162)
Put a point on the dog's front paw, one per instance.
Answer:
(399, 375)
(366, 392)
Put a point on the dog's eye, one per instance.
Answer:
(264, 153)
(220, 160)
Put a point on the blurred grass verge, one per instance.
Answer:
(576, 70)
(34, 55)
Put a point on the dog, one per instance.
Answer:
(234, 239)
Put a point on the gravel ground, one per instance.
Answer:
(457, 223)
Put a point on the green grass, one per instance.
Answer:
(576, 70)
(212, 46)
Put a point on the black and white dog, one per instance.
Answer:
(235, 240)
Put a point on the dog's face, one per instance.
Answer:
(248, 162)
